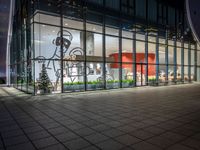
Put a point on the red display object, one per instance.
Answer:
(140, 58)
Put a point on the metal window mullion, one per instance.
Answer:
(175, 60)
(157, 58)
(134, 58)
(84, 48)
(120, 56)
(104, 53)
(62, 55)
(166, 54)
(189, 61)
(33, 69)
(182, 60)
(146, 57)
(195, 63)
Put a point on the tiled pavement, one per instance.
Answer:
(139, 119)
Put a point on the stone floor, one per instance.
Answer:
(147, 118)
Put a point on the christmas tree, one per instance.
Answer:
(44, 81)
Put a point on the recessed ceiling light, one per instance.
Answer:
(66, 24)
(43, 25)
(53, 31)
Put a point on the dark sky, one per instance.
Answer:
(4, 15)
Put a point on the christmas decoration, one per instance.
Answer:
(44, 83)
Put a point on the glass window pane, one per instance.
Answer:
(127, 75)
(162, 73)
(94, 28)
(73, 73)
(140, 52)
(94, 47)
(192, 57)
(114, 4)
(112, 75)
(152, 10)
(186, 77)
(171, 73)
(185, 56)
(162, 54)
(127, 34)
(198, 58)
(47, 19)
(179, 56)
(171, 55)
(68, 23)
(141, 8)
(127, 50)
(112, 49)
(95, 78)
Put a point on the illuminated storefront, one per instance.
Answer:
(93, 45)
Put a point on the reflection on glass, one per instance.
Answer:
(95, 77)
(112, 75)
(112, 50)
(127, 75)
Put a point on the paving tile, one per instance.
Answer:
(173, 136)
(33, 129)
(179, 147)
(142, 134)
(24, 146)
(38, 135)
(191, 143)
(160, 141)
(113, 133)
(145, 146)
(196, 136)
(169, 119)
(101, 127)
(154, 130)
(127, 139)
(91, 148)
(52, 125)
(55, 147)
(96, 138)
(42, 143)
(58, 130)
(110, 145)
(12, 133)
(184, 131)
(77, 144)
(84, 131)
(15, 140)
(66, 136)
(127, 128)
(75, 126)
(127, 148)
(1, 144)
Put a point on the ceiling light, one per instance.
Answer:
(66, 24)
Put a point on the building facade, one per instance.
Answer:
(82, 45)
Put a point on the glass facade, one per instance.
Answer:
(100, 44)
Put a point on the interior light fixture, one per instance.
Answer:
(66, 24)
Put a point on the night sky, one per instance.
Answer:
(4, 15)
